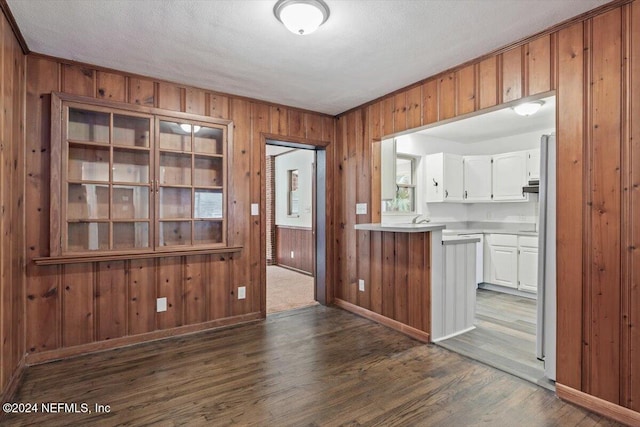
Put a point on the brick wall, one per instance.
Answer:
(271, 210)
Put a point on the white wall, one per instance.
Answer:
(303, 161)
(420, 144)
(522, 212)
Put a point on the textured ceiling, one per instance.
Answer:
(366, 49)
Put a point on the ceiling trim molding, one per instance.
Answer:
(14, 26)
(553, 29)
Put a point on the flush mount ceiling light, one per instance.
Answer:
(301, 16)
(528, 108)
(187, 128)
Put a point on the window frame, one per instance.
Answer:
(290, 192)
(413, 186)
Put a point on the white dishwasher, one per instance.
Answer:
(479, 257)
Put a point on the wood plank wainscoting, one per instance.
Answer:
(75, 308)
(398, 287)
(12, 178)
(298, 240)
(592, 62)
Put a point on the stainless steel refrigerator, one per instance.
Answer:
(546, 325)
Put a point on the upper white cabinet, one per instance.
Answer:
(477, 178)
(444, 176)
(509, 175)
(533, 164)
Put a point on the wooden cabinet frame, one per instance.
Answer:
(60, 144)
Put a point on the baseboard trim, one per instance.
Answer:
(597, 405)
(383, 320)
(94, 347)
(297, 270)
(14, 382)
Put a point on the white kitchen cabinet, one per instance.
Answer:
(509, 176)
(533, 164)
(528, 264)
(503, 260)
(444, 176)
(511, 261)
(477, 178)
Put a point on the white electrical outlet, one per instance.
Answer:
(361, 208)
(242, 292)
(255, 209)
(291, 254)
(161, 304)
(361, 285)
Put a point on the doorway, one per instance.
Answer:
(491, 178)
(291, 225)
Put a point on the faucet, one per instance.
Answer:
(415, 220)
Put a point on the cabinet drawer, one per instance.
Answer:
(503, 239)
(528, 241)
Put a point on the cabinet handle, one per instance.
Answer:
(446, 193)
(465, 194)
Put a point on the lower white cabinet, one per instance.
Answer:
(528, 264)
(501, 264)
(511, 261)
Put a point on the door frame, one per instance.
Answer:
(321, 220)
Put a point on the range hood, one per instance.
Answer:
(533, 187)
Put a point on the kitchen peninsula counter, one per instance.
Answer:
(401, 228)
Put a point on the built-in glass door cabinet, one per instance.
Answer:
(132, 180)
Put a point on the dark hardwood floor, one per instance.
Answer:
(314, 366)
(504, 337)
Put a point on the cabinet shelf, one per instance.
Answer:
(117, 256)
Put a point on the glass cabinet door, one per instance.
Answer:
(190, 184)
(108, 181)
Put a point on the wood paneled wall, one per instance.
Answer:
(79, 304)
(12, 86)
(298, 240)
(593, 64)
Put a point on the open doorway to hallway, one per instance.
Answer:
(290, 248)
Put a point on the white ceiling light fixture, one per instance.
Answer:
(187, 128)
(301, 16)
(528, 108)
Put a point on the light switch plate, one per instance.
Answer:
(292, 254)
(361, 285)
(242, 292)
(255, 209)
(361, 208)
(161, 304)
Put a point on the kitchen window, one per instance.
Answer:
(405, 196)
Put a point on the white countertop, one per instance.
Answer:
(401, 228)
